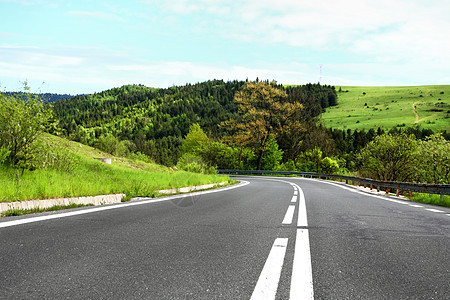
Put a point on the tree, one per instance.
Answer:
(434, 160)
(264, 111)
(194, 141)
(22, 119)
(272, 156)
(389, 157)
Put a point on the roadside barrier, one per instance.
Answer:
(440, 189)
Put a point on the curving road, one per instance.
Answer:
(268, 238)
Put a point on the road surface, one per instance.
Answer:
(268, 238)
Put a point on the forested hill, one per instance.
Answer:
(45, 97)
(154, 121)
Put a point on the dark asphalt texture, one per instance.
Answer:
(214, 246)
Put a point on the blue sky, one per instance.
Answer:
(83, 46)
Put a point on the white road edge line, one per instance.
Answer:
(114, 206)
(434, 210)
(301, 279)
(289, 215)
(267, 285)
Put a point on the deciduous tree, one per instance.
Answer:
(389, 157)
(264, 111)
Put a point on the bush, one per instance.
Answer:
(287, 166)
(193, 163)
(22, 120)
(140, 156)
(56, 156)
(389, 157)
(329, 165)
(4, 154)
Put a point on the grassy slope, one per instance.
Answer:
(92, 177)
(388, 107)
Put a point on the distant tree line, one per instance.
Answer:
(154, 121)
(43, 97)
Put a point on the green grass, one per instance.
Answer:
(20, 212)
(90, 177)
(435, 199)
(387, 107)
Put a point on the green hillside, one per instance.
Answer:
(70, 169)
(388, 107)
(154, 121)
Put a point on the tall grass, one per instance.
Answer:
(90, 177)
(434, 199)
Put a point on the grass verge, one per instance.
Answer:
(434, 199)
(19, 212)
(87, 176)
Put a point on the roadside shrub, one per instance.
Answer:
(52, 155)
(389, 157)
(433, 160)
(140, 156)
(287, 166)
(22, 120)
(193, 163)
(4, 154)
(329, 165)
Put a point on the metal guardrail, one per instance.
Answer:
(441, 189)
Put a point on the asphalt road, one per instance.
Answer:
(273, 238)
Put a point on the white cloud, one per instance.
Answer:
(96, 15)
(384, 29)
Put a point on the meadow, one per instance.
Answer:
(388, 107)
(70, 169)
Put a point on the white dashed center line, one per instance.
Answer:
(267, 285)
(289, 215)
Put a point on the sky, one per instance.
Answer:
(78, 47)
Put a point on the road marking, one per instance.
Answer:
(289, 215)
(294, 198)
(448, 215)
(415, 205)
(302, 216)
(267, 285)
(295, 192)
(114, 206)
(434, 210)
(301, 279)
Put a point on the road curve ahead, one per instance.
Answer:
(269, 238)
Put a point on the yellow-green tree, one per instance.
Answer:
(264, 111)
(195, 141)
